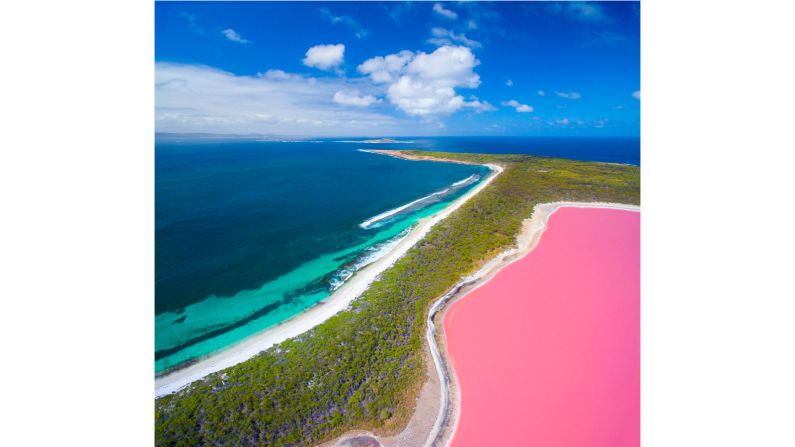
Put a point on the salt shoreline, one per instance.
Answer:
(529, 237)
(338, 301)
(581, 239)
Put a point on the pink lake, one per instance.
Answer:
(547, 353)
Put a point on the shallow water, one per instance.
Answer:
(251, 233)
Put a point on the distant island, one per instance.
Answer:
(376, 141)
(382, 140)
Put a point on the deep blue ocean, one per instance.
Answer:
(250, 233)
(624, 150)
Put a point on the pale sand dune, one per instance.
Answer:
(336, 302)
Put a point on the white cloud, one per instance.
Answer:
(569, 95)
(509, 83)
(472, 25)
(521, 108)
(563, 122)
(447, 65)
(636, 94)
(424, 84)
(279, 75)
(479, 106)
(325, 57)
(353, 98)
(442, 36)
(541, 93)
(233, 36)
(360, 31)
(416, 97)
(384, 69)
(195, 98)
(438, 8)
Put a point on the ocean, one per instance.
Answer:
(250, 233)
(625, 150)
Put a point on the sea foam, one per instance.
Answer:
(378, 219)
(367, 257)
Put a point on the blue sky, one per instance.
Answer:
(398, 68)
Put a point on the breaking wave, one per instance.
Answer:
(379, 219)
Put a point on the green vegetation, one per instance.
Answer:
(363, 367)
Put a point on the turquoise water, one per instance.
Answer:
(249, 233)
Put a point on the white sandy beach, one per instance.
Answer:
(336, 302)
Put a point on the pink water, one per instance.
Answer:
(547, 353)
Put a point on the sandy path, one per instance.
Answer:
(336, 302)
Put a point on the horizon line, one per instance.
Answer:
(275, 136)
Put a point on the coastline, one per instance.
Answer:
(398, 153)
(338, 301)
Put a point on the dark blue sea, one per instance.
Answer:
(625, 150)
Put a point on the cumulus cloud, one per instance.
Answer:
(195, 98)
(438, 8)
(509, 83)
(521, 108)
(359, 31)
(447, 65)
(325, 57)
(423, 84)
(479, 106)
(636, 94)
(232, 35)
(541, 93)
(383, 69)
(569, 95)
(442, 36)
(353, 98)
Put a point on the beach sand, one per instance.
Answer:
(336, 302)
(547, 351)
